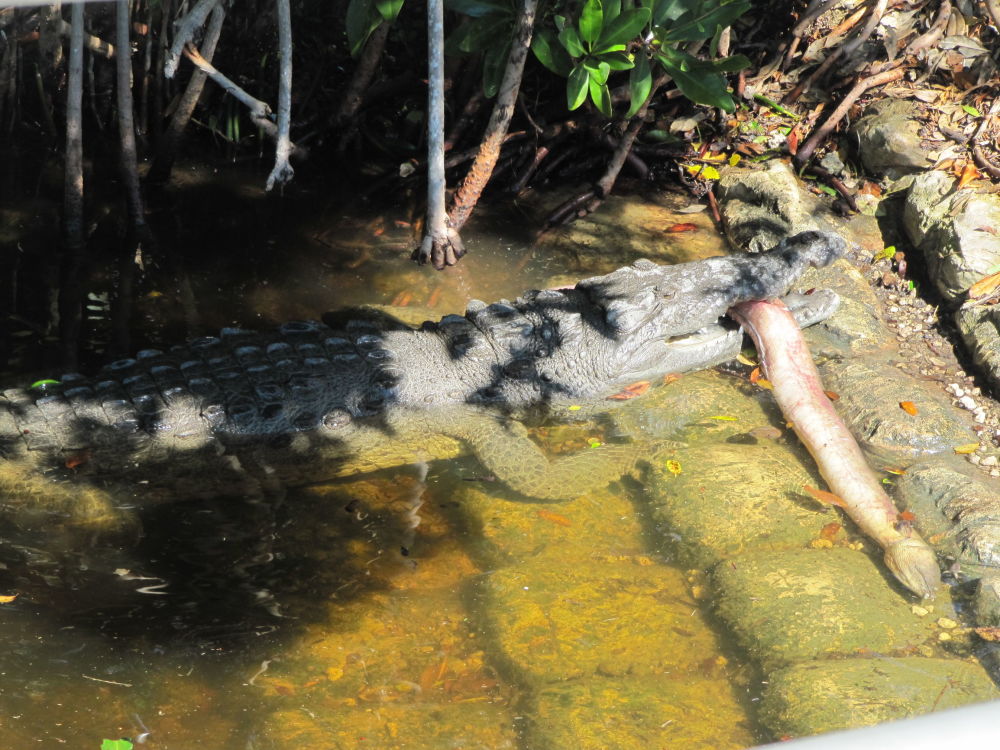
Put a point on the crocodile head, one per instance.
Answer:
(672, 318)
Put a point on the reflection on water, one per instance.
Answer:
(421, 608)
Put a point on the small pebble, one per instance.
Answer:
(947, 623)
(975, 458)
(989, 461)
(967, 402)
(942, 636)
(995, 472)
(920, 611)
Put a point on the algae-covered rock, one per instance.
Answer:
(689, 713)
(787, 607)
(957, 506)
(470, 726)
(729, 498)
(502, 530)
(870, 403)
(609, 617)
(824, 696)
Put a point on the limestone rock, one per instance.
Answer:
(824, 696)
(870, 397)
(888, 138)
(795, 606)
(954, 231)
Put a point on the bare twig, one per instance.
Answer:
(184, 31)
(819, 135)
(933, 34)
(983, 163)
(260, 112)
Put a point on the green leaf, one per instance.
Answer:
(623, 29)
(640, 83)
(671, 10)
(698, 83)
(116, 745)
(576, 87)
(600, 96)
(618, 60)
(591, 21)
(731, 64)
(493, 67)
(570, 40)
(611, 10)
(479, 8)
(478, 35)
(550, 53)
(971, 111)
(43, 383)
(598, 69)
(362, 20)
(703, 26)
(388, 9)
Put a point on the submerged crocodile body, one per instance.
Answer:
(233, 413)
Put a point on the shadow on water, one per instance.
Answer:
(227, 612)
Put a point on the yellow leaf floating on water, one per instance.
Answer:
(967, 448)
(745, 360)
(674, 467)
(574, 407)
(594, 442)
(909, 407)
(8, 599)
(722, 418)
(704, 171)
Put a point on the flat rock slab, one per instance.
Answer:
(824, 696)
(386, 726)
(856, 329)
(600, 617)
(788, 607)
(870, 403)
(502, 531)
(690, 713)
(978, 326)
(729, 498)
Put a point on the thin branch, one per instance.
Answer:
(260, 112)
(184, 31)
(819, 135)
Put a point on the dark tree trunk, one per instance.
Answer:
(70, 296)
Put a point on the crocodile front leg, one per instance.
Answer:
(505, 449)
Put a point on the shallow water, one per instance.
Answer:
(359, 613)
(418, 607)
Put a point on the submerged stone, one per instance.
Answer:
(606, 617)
(870, 398)
(691, 713)
(395, 727)
(729, 498)
(824, 696)
(794, 606)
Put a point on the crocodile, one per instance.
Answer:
(241, 412)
